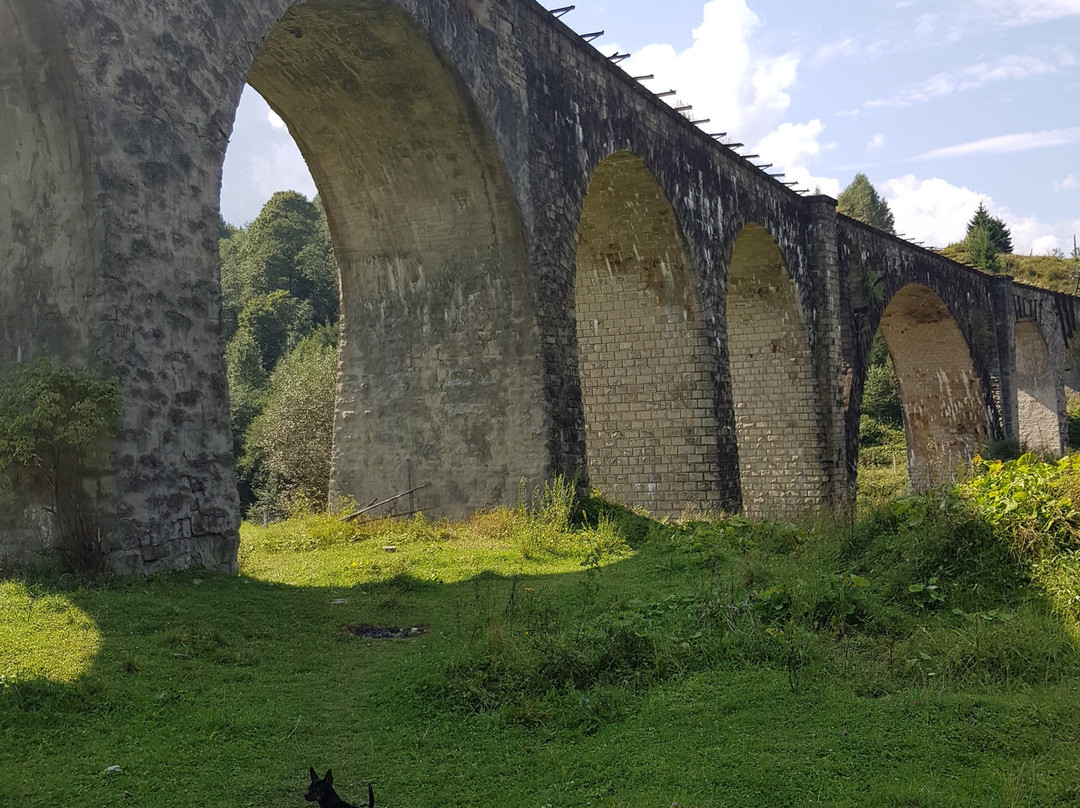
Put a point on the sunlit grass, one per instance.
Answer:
(900, 659)
(43, 635)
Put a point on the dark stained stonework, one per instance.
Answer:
(455, 144)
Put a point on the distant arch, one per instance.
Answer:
(945, 416)
(777, 424)
(440, 380)
(645, 363)
(1036, 391)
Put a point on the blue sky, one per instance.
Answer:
(942, 103)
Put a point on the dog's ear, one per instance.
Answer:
(314, 776)
(329, 777)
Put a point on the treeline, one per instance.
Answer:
(280, 320)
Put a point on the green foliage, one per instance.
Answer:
(980, 251)
(997, 235)
(1059, 274)
(1030, 503)
(907, 658)
(1072, 417)
(280, 287)
(53, 421)
(986, 241)
(287, 248)
(860, 200)
(632, 526)
(881, 423)
(288, 445)
(881, 396)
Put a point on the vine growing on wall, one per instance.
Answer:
(54, 421)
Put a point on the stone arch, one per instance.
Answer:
(645, 364)
(777, 424)
(50, 304)
(440, 379)
(1036, 391)
(49, 230)
(945, 416)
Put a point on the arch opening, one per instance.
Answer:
(945, 417)
(439, 379)
(774, 390)
(1036, 392)
(645, 364)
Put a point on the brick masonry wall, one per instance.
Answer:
(776, 405)
(1036, 393)
(944, 418)
(646, 384)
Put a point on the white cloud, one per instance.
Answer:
(1044, 245)
(742, 90)
(876, 142)
(275, 119)
(936, 212)
(932, 211)
(792, 143)
(1070, 183)
(1013, 13)
(791, 146)
(973, 77)
(1006, 144)
(278, 167)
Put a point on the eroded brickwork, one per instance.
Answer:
(777, 416)
(944, 418)
(645, 375)
(1036, 393)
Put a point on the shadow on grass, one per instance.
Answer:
(210, 690)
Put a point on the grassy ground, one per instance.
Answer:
(905, 659)
(1059, 274)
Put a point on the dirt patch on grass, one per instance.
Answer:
(371, 631)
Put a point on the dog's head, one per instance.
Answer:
(321, 787)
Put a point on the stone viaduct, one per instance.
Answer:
(544, 270)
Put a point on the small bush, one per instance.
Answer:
(1029, 502)
(53, 422)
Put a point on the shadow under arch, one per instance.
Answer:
(645, 363)
(945, 418)
(773, 383)
(1036, 392)
(440, 381)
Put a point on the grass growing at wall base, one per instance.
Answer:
(911, 658)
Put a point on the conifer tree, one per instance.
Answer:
(860, 200)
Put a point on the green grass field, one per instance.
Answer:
(906, 658)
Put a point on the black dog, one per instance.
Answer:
(322, 792)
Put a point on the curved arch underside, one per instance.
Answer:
(1036, 392)
(945, 418)
(439, 363)
(645, 364)
(773, 382)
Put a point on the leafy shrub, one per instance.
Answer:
(53, 422)
(1029, 502)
